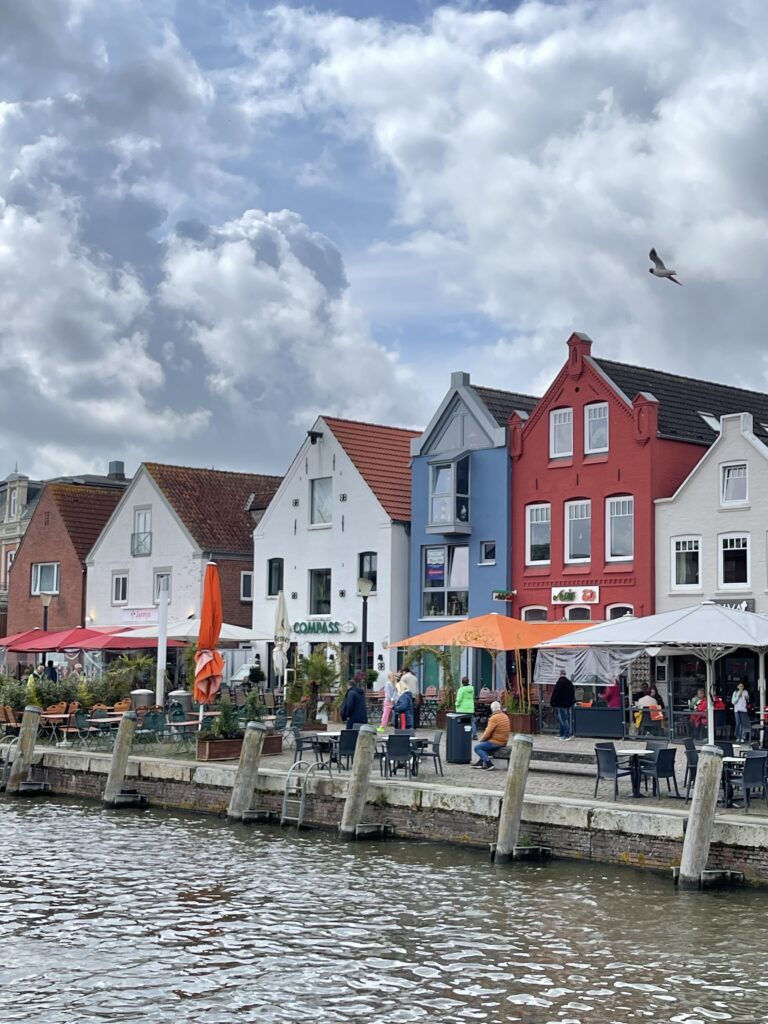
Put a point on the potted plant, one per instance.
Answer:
(446, 702)
(314, 675)
(224, 740)
(254, 710)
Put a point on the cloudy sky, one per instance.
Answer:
(219, 218)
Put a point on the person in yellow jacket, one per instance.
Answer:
(495, 736)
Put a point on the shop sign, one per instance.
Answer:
(575, 595)
(503, 595)
(746, 605)
(323, 626)
(136, 615)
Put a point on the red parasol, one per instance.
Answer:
(61, 640)
(209, 664)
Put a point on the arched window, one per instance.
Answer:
(534, 613)
(578, 613)
(618, 611)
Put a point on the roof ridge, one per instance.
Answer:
(679, 376)
(210, 469)
(366, 423)
(504, 391)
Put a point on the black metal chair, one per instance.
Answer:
(347, 746)
(751, 779)
(298, 718)
(399, 754)
(726, 746)
(691, 767)
(649, 726)
(722, 726)
(433, 751)
(608, 767)
(661, 767)
(302, 743)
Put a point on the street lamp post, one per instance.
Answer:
(364, 588)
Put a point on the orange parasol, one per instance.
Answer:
(209, 664)
(493, 631)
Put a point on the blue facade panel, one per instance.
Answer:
(490, 521)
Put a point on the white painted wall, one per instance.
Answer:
(172, 548)
(359, 524)
(696, 509)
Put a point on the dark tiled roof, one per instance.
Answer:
(213, 503)
(501, 404)
(382, 456)
(681, 399)
(84, 511)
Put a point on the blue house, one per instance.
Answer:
(460, 526)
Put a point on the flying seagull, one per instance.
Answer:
(659, 270)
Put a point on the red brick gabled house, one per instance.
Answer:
(606, 440)
(51, 556)
(170, 522)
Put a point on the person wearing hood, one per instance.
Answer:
(404, 705)
(353, 710)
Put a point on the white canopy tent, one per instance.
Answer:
(189, 629)
(707, 630)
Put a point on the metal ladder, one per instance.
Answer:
(295, 795)
(5, 769)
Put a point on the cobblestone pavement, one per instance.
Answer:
(552, 778)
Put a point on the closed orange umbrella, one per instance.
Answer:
(209, 664)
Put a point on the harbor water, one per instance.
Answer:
(123, 916)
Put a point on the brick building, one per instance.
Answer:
(603, 443)
(170, 522)
(50, 559)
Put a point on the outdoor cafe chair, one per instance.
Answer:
(433, 751)
(346, 747)
(691, 767)
(298, 718)
(608, 767)
(661, 766)
(751, 779)
(398, 754)
(12, 723)
(726, 746)
(304, 741)
(79, 729)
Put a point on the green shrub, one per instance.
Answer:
(226, 725)
(254, 707)
(13, 692)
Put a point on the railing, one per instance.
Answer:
(141, 543)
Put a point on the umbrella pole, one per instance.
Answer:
(761, 688)
(710, 703)
(200, 714)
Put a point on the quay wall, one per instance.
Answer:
(572, 828)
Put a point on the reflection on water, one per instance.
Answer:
(155, 917)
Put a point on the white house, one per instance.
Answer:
(712, 534)
(170, 522)
(342, 512)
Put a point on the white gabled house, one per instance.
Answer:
(342, 512)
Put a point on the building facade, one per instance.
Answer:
(18, 497)
(50, 561)
(342, 512)
(169, 523)
(461, 511)
(587, 465)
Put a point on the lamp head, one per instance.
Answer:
(46, 599)
(364, 586)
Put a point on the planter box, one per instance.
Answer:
(521, 723)
(219, 750)
(273, 744)
(314, 727)
(440, 720)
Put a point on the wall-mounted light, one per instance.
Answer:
(314, 435)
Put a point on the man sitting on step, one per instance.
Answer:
(495, 736)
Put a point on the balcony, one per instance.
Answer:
(141, 544)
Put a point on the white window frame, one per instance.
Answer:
(553, 416)
(249, 574)
(720, 549)
(35, 587)
(483, 559)
(9, 557)
(276, 593)
(588, 450)
(119, 575)
(581, 608)
(724, 467)
(566, 540)
(534, 608)
(686, 588)
(310, 574)
(608, 502)
(161, 571)
(320, 524)
(619, 604)
(528, 509)
(12, 503)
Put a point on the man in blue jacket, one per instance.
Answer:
(353, 710)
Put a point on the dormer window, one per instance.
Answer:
(733, 486)
(712, 421)
(449, 500)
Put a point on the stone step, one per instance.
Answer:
(564, 755)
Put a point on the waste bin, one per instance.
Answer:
(183, 697)
(142, 698)
(458, 739)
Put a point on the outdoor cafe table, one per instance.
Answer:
(634, 755)
(56, 721)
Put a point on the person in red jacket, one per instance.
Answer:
(495, 736)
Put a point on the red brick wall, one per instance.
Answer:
(638, 464)
(236, 612)
(46, 543)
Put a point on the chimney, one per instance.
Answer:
(116, 470)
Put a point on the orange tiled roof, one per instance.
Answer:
(214, 505)
(84, 511)
(382, 456)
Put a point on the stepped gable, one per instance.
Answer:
(682, 399)
(382, 456)
(215, 505)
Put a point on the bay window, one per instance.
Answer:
(449, 499)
